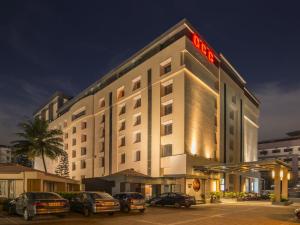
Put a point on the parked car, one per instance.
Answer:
(174, 199)
(297, 213)
(31, 204)
(131, 201)
(94, 202)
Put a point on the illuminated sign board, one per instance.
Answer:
(203, 48)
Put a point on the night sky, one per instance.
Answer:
(67, 45)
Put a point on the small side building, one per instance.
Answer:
(16, 179)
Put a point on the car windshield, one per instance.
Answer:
(43, 195)
(135, 196)
(100, 195)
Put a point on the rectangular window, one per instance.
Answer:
(74, 130)
(73, 141)
(136, 84)
(82, 164)
(73, 166)
(166, 150)
(137, 120)
(167, 109)
(165, 67)
(102, 132)
(122, 141)
(102, 103)
(83, 138)
(102, 146)
(83, 151)
(73, 153)
(66, 135)
(77, 115)
(120, 93)
(231, 129)
(122, 110)
(137, 137)
(123, 157)
(167, 88)
(263, 152)
(231, 115)
(288, 150)
(167, 128)
(101, 161)
(122, 125)
(83, 125)
(102, 120)
(138, 156)
(276, 151)
(138, 103)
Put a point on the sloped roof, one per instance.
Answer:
(129, 173)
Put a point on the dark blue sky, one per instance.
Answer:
(66, 45)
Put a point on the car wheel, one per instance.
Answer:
(177, 205)
(142, 210)
(26, 215)
(11, 211)
(298, 215)
(126, 209)
(187, 205)
(86, 211)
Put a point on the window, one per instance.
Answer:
(120, 93)
(231, 129)
(82, 164)
(216, 120)
(82, 177)
(83, 125)
(74, 130)
(102, 146)
(83, 151)
(66, 146)
(233, 99)
(102, 120)
(263, 152)
(138, 103)
(73, 153)
(167, 108)
(138, 156)
(288, 150)
(122, 110)
(73, 141)
(122, 141)
(231, 144)
(77, 115)
(123, 158)
(165, 67)
(66, 135)
(101, 102)
(122, 125)
(102, 133)
(167, 88)
(167, 128)
(137, 137)
(83, 138)
(276, 151)
(166, 150)
(73, 166)
(101, 162)
(137, 120)
(231, 115)
(136, 83)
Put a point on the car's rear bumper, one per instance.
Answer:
(51, 211)
(100, 209)
(137, 207)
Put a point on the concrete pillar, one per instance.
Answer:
(236, 183)
(227, 183)
(284, 188)
(277, 183)
(243, 184)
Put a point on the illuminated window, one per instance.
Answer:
(123, 157)
(137, 137)
(101, 102)
(136, 83)
(83, 151)
(138, 156)
(166, 150)
(82, 164)
(122, 141)
(168, 128)
(165, 67)
(122, 110)
(73, 153)
(120, 93)
(138, 103)
(122, 125)
(167, 88)
(137, 120)
(167, 108)
(83, 125)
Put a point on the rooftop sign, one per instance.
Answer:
(203, 48)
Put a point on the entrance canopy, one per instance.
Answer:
(243, 167)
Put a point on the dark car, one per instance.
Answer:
(174, 199)
(131, 201)
(94, 202)
(31, 204)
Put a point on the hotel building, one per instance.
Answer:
(171, 108)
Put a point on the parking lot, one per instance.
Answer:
(214, 214)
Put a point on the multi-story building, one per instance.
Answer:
(286, 149)
(172, 107)
(5, 154)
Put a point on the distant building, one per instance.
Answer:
(5, 154)
(286, 149)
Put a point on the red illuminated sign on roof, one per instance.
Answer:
(203, 48)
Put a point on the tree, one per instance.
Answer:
(38, 141)
(62, 168)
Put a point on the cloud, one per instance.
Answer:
(280, 110)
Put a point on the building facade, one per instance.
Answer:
(286, 149)
(5, 154)
(171, 108)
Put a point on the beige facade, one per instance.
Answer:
(164, 112)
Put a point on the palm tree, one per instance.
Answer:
(38, 141)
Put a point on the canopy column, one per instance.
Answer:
(277, 183)
(284, 183)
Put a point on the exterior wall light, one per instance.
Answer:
(281, 174)
(273, 174)
(289, 176)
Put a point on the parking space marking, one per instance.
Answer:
(147, 221)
